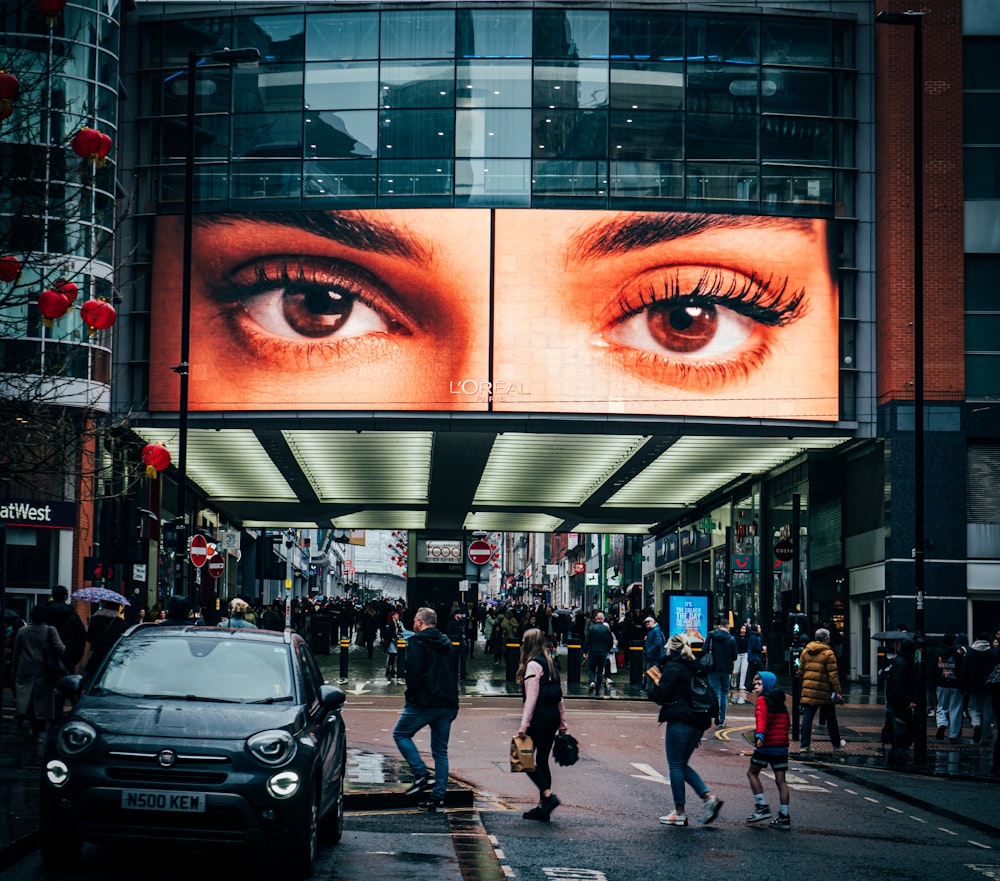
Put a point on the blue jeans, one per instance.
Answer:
(833, 729)
(720, 685)
(411, 720)
(682, 740)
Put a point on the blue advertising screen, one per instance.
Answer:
(688, 614)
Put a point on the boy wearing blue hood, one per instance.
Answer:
(770, 748)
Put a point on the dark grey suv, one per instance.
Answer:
(199, 736)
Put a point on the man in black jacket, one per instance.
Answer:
(722, 644)
(900, 702)
(431, 699)
(61, 615)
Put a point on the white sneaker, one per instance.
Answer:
(674, 819)
(710, 809)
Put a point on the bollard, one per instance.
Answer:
(573, 648)
(459, 657)
(636, 654)
(401, 659)
(345, 647)
(513, 654)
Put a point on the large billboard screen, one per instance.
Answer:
(501, 310)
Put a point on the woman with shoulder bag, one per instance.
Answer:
(36, 667)
(544, 715)
(685, 727)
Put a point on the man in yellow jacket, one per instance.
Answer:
(820, 690)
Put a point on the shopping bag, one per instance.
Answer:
(522, 754)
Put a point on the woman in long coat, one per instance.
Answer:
(33, 682)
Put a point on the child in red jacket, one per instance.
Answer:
(770, 748)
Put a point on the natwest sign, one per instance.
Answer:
(38, 514)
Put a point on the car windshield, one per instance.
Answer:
(194, 668)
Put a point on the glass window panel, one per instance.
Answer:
(417, 84)
(342, 134)
(415, 179)
(646, 36)
(201, 35)
(982, 376)
(982, 333)
(279, 37)
(492, 133)
(576, 179)
(982, 293)
(341, 85)
(729, 88)
(270, 181)
(571, 85)
(211, 138)
(792, 139)
(981, 118)
(274, 136)
(416, 134)
(646, 136)
(493, 84)
(982, 172)
(721, 136)
(570, 33)
(843, 44)
(570, 134)
(647, 86)
(341, 36)
(246, 92)
(844, 94)
(979, 67)
(418, 33)
(493, 182)
(278, 87)
(795, 191)
(334, 181)
(796, 41)
(722, 187)
(723, 39)
(796, 91)
(648, 180)
(494, 33)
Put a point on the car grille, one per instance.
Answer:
(144, 767)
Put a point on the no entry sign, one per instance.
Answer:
(216, 566)
(480, 552)
(198, 551)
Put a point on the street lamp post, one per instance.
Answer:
(915, 20)
(231, 57)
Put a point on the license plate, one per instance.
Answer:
(178, 802)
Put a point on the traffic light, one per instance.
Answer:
(173, 536)
(798, 623)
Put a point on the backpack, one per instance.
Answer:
(701, 696)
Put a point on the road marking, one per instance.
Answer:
(992, 872)
(649, 773)
(942, 829)
(918, 819)
(567, 874)
(874, 801)
(977, 844)
(894, 810)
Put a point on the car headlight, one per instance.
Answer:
(272, 747)
(57, 773)
(75, 737)
(284, 784)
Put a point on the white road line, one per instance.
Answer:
(918, 819)
(977, 844)
(942, 829)
(874, 801)
(850, 792)
(894, 810)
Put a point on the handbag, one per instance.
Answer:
(993, 678)
(565, 750)
(522, 754)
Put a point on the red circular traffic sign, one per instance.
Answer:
(480, 552)
(198, 551)
(216, 566)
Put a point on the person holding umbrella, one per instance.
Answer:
(103, 631)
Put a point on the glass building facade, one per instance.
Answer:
(506, 107)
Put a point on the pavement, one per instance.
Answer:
(377, 781)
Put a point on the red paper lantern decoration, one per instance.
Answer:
(91, 144)
(156, 458)
(98, 314)
(10, 268)
(52, 305)
(69, 290)
(10, 88)
(51, 9)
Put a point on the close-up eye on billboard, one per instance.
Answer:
(503, 310)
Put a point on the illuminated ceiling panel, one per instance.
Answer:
(694, 467)
(382, 520)
(374, 467)
(551, 469)
(616, 528)
(229, 464)
(511, 522)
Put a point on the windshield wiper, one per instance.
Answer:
(272, 700)
(214, 700)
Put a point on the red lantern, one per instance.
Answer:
(51, 9)
(67, 289)
(98, 314)
(91, 144)
(52, 305)
(10, 88)
(10, 268)
(156, 458)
